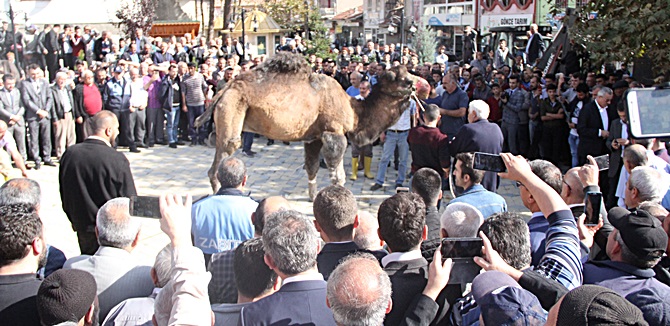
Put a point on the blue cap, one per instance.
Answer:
(503, 302)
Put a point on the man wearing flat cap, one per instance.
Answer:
(634, 248)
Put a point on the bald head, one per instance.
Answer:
(266, 207)
(572, 190)
(359, 291)
(21, 191)
(365, 235)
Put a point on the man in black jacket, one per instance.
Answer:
(52, 51)
(63, 114)
(91, 173)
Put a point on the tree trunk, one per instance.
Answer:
(196, 11)
(226, 12)
(202, 15)
(210, 28)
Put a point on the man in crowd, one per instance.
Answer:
(535, 47)
(429, 147)
(116, 98)
(37, 100)
(454, 106)
(336, 219)
(428, 184)
(402, 226)
(12, 112)
(254, 280)
(63, 114)
(87, 102)
(22, 253)
(223, 221)
(222, 286)
(171, 103)
(194, 89)
(645, 184)
(479, 135)
(68, 298)
(118, 275)
(355, 78)
(52, 50)
(155, 115)
(514, 101)
(635, 246)
(593, 128)
(359, 292)
(91, 173)
(466, 177)
(291, 245)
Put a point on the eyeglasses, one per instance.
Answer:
(519, 184)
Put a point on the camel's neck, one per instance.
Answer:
(376, 114)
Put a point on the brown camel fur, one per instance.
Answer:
(283, 100)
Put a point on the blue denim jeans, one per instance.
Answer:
(394, 140)
(172, 122)
(574, 143)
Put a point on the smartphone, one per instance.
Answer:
(145, 206)
(647, 112)
(461, 247)
(401, 189)
(592, 204)
(603, 162)
(489, 162)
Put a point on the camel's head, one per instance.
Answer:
(398, 82)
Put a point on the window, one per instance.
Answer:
(261, 45)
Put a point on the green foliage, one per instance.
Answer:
(624, 30)
(290, 14)
(425, 43)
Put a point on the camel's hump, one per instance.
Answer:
(286, 63)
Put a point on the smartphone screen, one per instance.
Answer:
(489, 162)
(603, 162)
(647, 112)
(145, 206)
(461, 247)
(592, 205)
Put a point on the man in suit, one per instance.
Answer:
(140, 40)
(119, 275)
(12, 111)
(291, 245)
(616, 143)
(535, 46)
(64, 114)
(479, 135)
(593, 128)
(514, 101)
(402, 226)
(37, 100)
(102, 46)
(336, 218)
(52, 51)
(91, 173)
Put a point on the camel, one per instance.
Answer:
(283, 100)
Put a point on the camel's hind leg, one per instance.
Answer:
(312, 150)
(229, 119)
(334, 146)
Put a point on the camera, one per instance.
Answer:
(504, 96)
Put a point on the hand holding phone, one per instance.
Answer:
(488, 162)
(592, 206)
(461, 247)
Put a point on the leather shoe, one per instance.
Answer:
(135, 150)
(375, 186)
(173, 145)
(38, 166)
(181, 143)
(49, 163)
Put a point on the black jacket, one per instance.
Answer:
(57, 109)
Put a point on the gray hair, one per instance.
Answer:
(61, 74)
(604, 91)
(87, 73)
(649, 183)
(480, 108)
(116, 228)
(461, 220)
(21, 191)
(365, 235)
(163, 266)
(359, 291)
(432, 113)
(231, 172)
(290, 238)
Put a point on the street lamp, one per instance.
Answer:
(12, 14)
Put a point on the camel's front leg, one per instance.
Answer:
(334, 146)
(312, 150)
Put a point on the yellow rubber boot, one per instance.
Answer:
(367, 162)
(354, 169)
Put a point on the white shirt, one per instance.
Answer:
(305, 277)
(404, 122)
(603, 117)
(401, 256)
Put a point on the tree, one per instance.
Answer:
(291, 14)
(623, 30)
(425, 43)
(136, 14)
(210, 21)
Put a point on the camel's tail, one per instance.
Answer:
(201, 120)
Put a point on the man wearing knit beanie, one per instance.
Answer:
(594, 305)
(68, 297)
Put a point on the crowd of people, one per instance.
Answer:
(237, 260)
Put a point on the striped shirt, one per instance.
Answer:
(194, 88)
